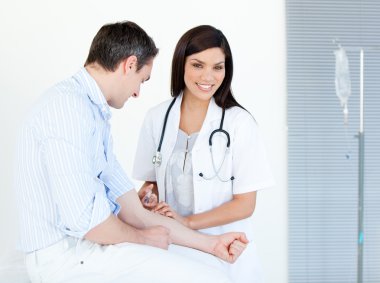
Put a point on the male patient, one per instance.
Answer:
(80, 217)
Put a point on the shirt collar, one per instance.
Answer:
(93, 91)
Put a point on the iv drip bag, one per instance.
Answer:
(342, 79)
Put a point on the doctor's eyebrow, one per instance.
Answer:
(201, 62)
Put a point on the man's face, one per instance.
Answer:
(130, 82)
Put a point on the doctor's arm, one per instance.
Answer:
(241, 206)
(227, 246)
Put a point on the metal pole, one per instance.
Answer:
(361, 173)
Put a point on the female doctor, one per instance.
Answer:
(200, 152)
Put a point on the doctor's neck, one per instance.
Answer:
(194, 104)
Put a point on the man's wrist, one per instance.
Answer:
(188, 221)
(209, 244)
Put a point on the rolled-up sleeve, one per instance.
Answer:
(80, 200)
(116, 180)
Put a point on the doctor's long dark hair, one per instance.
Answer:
(197, 40)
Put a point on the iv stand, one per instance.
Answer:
(361, 169)
(361, 173)
(360, 137)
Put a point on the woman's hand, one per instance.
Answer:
(147, 197)
(164, 209)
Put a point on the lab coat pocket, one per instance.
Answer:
(215, 184)
(216, 160)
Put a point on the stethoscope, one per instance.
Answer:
(157, 158)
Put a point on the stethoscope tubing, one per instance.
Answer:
(164, 126)
(157, 158)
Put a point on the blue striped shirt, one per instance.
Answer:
(67, 177)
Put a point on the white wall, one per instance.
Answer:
(43, 42)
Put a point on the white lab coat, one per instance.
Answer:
(246, 162)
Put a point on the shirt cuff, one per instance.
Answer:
(117, 182)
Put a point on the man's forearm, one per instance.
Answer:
(113, 231)
(134, 214)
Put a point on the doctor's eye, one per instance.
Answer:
(219, 67)
(197, 65)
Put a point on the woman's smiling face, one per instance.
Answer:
(204, 73)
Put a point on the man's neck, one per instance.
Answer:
(102, 77)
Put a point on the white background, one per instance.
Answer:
(43, 42)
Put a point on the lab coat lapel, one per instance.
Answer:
(168, 143)
(214, 114)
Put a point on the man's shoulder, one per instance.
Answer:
(68, 90)
(67, 93)
(62, 98)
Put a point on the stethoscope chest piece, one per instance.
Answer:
(157, 159)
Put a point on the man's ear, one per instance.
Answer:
(130, 63)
